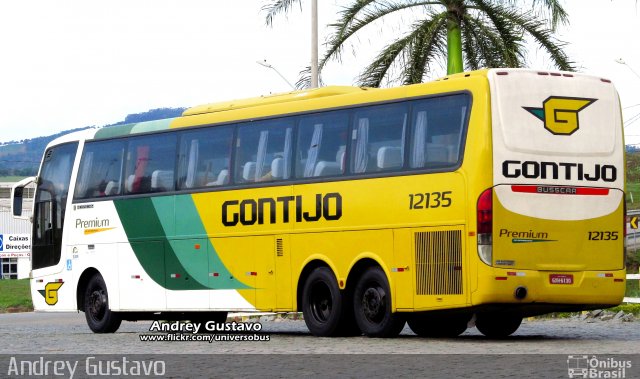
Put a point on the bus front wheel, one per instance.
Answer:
(498, 325)
(372, 306)
(96, 307)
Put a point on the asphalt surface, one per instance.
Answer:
(540, 348)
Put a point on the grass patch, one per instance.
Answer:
(15, 296)
(633, 288)
(633, 192)
(627, 308)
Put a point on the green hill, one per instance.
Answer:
(21, 158)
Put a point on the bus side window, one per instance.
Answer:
(263, 151)
(321, 145)
(204, 157)
(437, 131)
(378, 138)
(151, 164)
(100, 170)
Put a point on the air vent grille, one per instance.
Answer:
(438, 262)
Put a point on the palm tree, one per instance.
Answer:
(490, 33)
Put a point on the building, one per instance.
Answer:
(15, 251)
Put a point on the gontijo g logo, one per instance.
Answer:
(560, 114)
(50, 292)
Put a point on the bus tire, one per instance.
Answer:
(372, 306)
(498, 325)
(439, 327)
(96, 307)
(322, 303)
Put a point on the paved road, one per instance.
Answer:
(47, 333)
(537, 346)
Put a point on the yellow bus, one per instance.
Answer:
(483, 197)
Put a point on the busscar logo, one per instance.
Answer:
(50, 292)
(560, 114)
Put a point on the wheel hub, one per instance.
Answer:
(97, 303)
(321, 303)
(373, 303)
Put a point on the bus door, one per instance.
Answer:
(50, 205)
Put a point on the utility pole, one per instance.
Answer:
(314, 43)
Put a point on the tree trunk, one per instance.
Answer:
(454, 47)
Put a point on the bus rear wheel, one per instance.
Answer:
(322, 303)
(438, 326)
(96, 307)
(372, 306)
(498, 325)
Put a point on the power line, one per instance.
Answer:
(632, 119)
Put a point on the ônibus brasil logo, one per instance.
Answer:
(560, 114)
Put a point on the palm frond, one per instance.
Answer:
(558, 14)
(304, 79)
(484, 47)
(546, 9)
(510, 33)
(544, 38)
(430, 43)
(360, 14)
(276, 7)
(423, 36)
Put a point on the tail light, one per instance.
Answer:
(485, 226)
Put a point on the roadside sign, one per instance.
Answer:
(15, 245)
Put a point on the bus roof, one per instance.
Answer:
(272, 99)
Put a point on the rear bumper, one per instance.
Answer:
(576, 289)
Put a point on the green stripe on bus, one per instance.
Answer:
(183, 263)
(127, 129)
(114, 131)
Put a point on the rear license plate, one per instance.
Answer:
(561, 279)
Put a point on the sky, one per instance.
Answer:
(74, 63)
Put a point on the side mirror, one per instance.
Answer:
(17, 201)
(17, 197)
